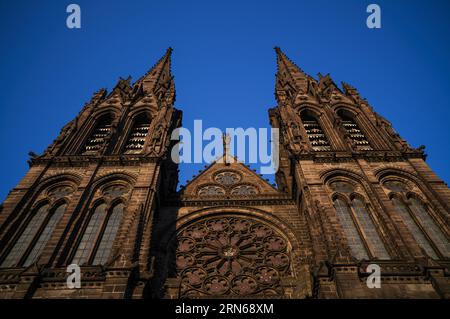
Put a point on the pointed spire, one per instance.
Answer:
(289, 75)
(158, 74)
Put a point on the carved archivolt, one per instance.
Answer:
(231, 256)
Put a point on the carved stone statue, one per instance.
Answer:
(295, 132)
(157, 136)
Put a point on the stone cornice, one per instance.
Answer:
(370, 156)
(80, 160)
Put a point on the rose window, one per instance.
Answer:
(227, 178)
(244, 190)
(231, 256)
(211, 191)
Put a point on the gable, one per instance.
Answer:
(228, 180)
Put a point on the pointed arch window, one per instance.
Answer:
(422, 241)
(98, 135)
(35, 236)
(136, 140)
(351, 233)
(89, 236)
(98, 237)
(108, 236)
(435, 233)
(354, 132)
(356, 220)
(369, 229)
(316, 135)
(415, 216)
(43, 238)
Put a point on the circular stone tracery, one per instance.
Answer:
(231, 255)
(227, 178)
(211, 191)
(244, 190)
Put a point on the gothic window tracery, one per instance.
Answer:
(60, 192)
(227, 178)
(43, 238)
(231, 256)
(211, 190)
(354, 240)
(342, 187)
(355, 218)
(114, 191)
(89, 236)
(108, 236)
(418, 220)
(98, 136)
(244, 190)
(369, 229)
(138, 135)
(97, 239)
(396, 186)
(354, 132)
(420, 238)
(316, 135)
(35, 235)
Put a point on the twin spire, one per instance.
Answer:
(291, 81)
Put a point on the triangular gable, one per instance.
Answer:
(228, 178)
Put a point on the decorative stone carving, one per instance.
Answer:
(227, 178)
(244, 190)
(231, 256)
(211, 191)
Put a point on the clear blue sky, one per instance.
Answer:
(223, 62)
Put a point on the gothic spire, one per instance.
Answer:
(289, 76)
(159, 75)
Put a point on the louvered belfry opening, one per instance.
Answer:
(97, 138)
(315, 133)
(138, 134)
(355, 133)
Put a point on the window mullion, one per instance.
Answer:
(422, 229)
(359, 229)
(98, 237)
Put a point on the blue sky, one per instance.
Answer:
(223, 62)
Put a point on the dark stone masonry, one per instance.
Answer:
(350, 193)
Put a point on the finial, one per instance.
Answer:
(226, 147)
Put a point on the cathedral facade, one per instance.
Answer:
(351, 195)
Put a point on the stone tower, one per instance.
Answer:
(366, 195)
(90, 198)
(350, 193)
